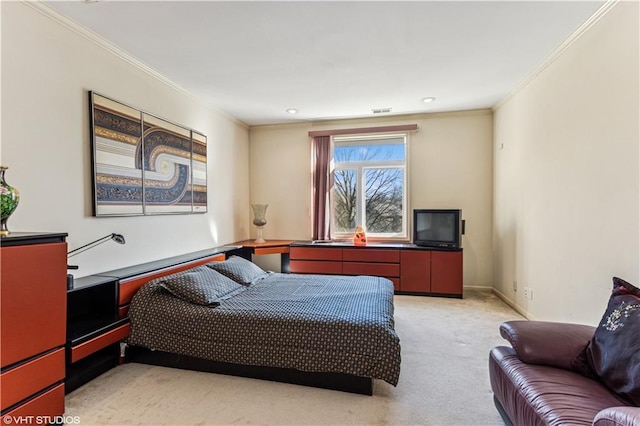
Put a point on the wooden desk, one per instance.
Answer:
(250, 247)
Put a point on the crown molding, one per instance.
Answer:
(389, 120)
(602, 11)
(122, 54)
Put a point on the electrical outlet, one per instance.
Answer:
(515, 285)
(528, 293)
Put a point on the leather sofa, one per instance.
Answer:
(536, 381)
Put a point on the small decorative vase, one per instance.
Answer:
(259, 219)
(9, 198)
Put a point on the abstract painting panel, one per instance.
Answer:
(117, 149)
(167, 166)
(199, 172)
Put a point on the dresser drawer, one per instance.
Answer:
(313, 253)
(48, 404)
(375, 269)
(89, 347)
(31, 377)
(315, 267)
(371, 255)
(33, 300)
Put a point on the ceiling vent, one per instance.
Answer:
(381, 110)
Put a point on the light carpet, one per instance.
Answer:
(444, 380)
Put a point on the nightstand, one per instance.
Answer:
(94, 330)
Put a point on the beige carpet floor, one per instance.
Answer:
(444, 381)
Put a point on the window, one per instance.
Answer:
(370, 176)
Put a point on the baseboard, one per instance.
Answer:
(478, 287)
(512, 304)
(502, 297)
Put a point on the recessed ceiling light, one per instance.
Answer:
(292, 110)
(428, 100)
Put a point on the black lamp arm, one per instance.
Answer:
(115, 237)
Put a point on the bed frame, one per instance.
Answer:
(333, 381)
(132, 280)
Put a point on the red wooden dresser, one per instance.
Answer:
(33, 300)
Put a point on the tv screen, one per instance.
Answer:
(437, 228)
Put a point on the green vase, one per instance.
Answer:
(9, 198)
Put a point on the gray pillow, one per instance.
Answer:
(239, 269)
(200, 285)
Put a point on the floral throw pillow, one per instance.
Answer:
(614, 351)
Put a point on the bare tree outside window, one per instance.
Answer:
(346, 200)
(370, 186)
(384, 195)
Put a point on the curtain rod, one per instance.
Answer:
(381, 129)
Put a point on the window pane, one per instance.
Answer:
(384, 200)
(368, 152)
(345, 200)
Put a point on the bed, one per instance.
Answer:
(232, 317)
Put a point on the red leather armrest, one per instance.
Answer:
(618, 416)
(547, 343)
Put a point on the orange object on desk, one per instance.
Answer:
(360, 237)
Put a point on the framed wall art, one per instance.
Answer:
(143, 164)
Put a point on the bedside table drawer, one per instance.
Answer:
(87, 348)
(27, 379)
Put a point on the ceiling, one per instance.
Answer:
(336, 59)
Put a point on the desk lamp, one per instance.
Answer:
(118, 238)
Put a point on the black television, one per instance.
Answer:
(439, 228)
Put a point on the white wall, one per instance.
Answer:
(47, 70)
(449, 167)
(566, 191)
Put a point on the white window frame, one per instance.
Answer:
(360, 168)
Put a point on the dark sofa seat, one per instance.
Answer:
(536, 381)
(542, 395)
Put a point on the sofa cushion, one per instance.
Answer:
(614, 351)
(541, 395)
